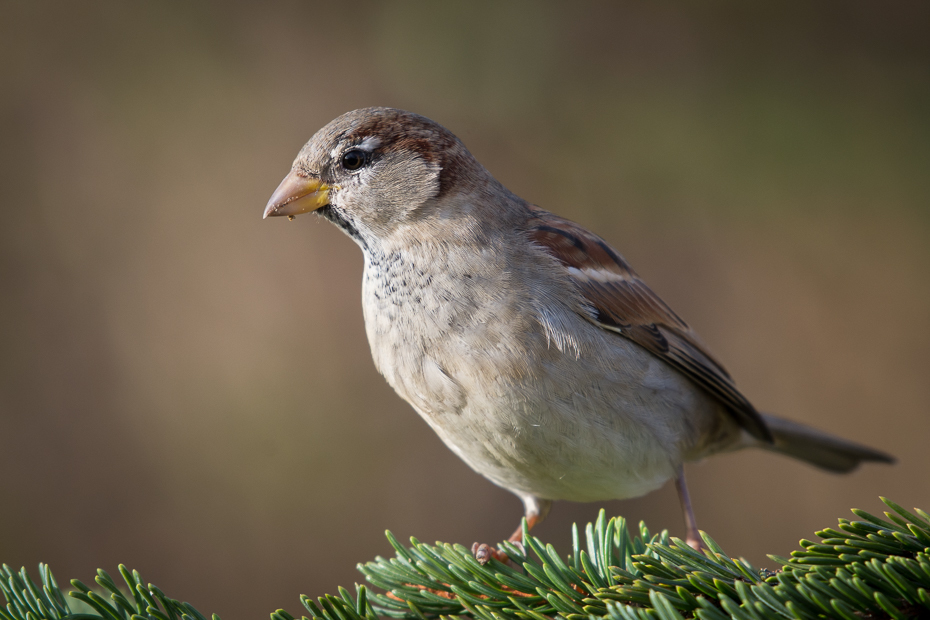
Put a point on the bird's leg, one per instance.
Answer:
(534, 510)
(692, 534)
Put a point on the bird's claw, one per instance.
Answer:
(485, 553)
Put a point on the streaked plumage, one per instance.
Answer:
(525, 341)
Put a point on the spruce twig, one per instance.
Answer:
(864, 569)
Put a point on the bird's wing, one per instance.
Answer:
(624, 304)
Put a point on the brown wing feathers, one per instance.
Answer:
(625, 304)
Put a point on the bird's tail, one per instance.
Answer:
(817, 447)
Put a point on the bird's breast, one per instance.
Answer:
(434, 323)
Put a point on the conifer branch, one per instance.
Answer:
(864, 569)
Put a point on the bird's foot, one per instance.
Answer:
(485, 553)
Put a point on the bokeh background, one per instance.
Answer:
(188, 389)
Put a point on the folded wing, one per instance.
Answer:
(624, 304)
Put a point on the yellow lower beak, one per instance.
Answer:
(297, 193)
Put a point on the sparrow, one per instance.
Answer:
(526, 342)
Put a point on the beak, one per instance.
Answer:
(297, 194)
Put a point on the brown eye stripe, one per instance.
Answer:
(401, 131)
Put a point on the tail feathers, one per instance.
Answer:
(817, 447)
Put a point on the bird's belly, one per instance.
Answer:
(544, 455)
(569, 429)
(551, 463)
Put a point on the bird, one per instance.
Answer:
(529, 345)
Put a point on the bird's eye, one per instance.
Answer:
(353, 160)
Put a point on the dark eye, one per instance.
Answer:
(353, 160)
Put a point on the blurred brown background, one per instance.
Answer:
(187, 389)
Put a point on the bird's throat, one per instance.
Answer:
(338, 218)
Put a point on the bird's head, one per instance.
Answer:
(372, 170)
